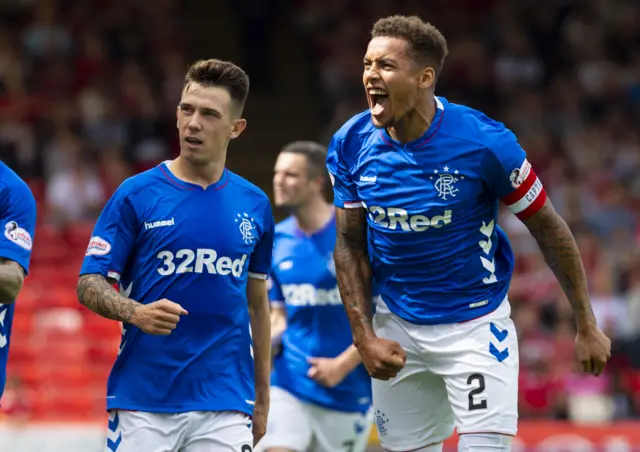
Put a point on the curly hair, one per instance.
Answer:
(427, 44)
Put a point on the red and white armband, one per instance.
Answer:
(528, 195)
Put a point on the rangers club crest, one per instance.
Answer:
(445, 182)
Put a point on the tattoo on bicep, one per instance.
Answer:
(95, 292)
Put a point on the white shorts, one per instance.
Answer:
(193, 431)
(301, 427)
(462, 374)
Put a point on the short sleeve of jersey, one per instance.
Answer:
(345, 193)
(113, 237)
(510, 176)
(260, 263)
(276, 298)
(18, 222)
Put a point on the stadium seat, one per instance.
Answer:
(77, 235)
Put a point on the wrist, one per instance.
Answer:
(362, 337)
(586, 323)
(135, 317)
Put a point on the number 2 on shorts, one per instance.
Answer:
(476, 404)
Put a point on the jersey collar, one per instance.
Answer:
(425, 138)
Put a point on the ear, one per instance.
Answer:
(178, 117)
(238, 127)
(427, 78)
(319, 182)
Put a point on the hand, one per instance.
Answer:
(382, 358)
(259, 421)
(159, 318)
(593, 350)
(327, 371)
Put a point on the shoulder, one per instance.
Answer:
(284, 239)
(10, 180)
(285, 228)
(246, 188)
(468, 124)
(14, 189)
(137, 184)
(356, 128)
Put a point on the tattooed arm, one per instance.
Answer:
(160, 317)
(561, 254)
(97, 294)
(560, 251)
(11, 279)
(353, 271)
(382, 358)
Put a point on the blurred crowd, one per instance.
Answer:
(88, 94)
(88, 91)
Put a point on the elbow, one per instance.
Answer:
(8, 295)
(9, 290)
(10, 284)
(81, 290)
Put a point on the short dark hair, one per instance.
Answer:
(316, 156)
(220, 73)
(426, 42)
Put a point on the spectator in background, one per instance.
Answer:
(75, 194)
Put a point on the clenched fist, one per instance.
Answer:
(159, 318)
(382, 358)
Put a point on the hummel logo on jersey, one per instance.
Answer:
(393, 217)
(371, 179)
(159, 224)
(206, 260)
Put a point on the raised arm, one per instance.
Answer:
(561, 253)
(353, 271)
(11, 280)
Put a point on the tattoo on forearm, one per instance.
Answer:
(353, 269)
(11, 278)
(563, 257)
(95, 292)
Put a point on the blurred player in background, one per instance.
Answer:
(320, 394)
(18, 221)
(422, 179)
(190, 244)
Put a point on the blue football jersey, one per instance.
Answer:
(436, 250)
(303, 280)
(161, 237)
(18, 221)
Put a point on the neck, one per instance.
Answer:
(313, 215)
(415, 123)
(203, 175)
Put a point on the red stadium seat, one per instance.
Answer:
(77, 235)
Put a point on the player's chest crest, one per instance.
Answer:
(225, 234)
(418, 185)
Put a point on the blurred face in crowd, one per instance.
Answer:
(292, 184)
(394, 82)
(207, 119)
